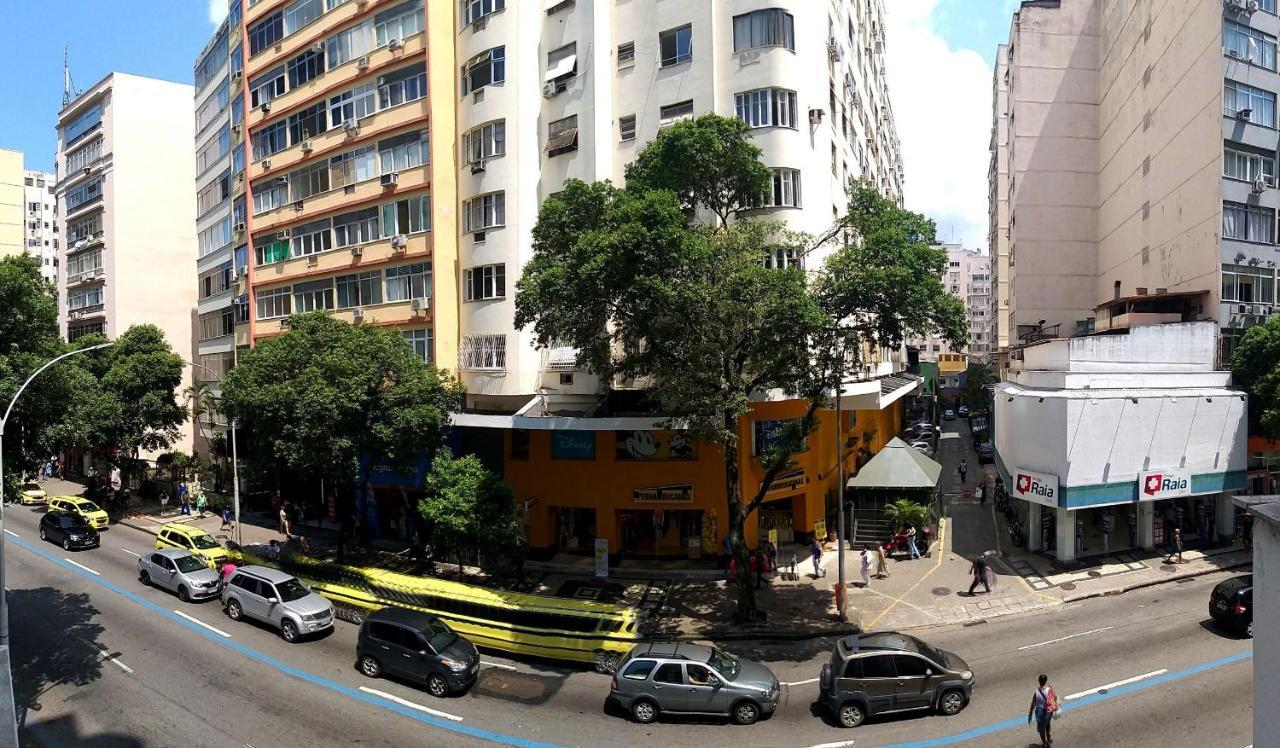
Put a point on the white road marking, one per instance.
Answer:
(131, 553)
(499, 664)
(801, 682)
(841, 744)
(82, 566)
(411, 705)
(112, 659)
(202, 624)
(1062, 639)
(14, 534)
(1117, 684)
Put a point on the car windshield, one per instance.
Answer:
(203, 542)
(30, 486)
(74, 520)
(726, 664)
(439, 635)
(292, 590)
(87, 506)
(936, 655)
(188, 564)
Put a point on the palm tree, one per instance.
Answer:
(906, 513)
(199, 398)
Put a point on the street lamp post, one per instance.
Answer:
(840, 600)
(235, 465)
(4, 597)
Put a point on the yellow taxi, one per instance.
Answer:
(32, 493)
(197, 541)
(83, 507)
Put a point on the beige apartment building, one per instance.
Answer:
(1141, 160)
(968, 278)
(126, 202)
(12, 235)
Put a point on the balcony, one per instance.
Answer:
(85, 276)
(360, 195)
(342, 259)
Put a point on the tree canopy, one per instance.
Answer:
(1255, 366)
(467, 506)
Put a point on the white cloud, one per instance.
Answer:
(217, 12)
(942, 106)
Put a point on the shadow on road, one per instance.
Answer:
(39, 664)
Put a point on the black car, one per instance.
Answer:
(71, 530)
(886, 672)
(418, 647)
(1231, 604)
(986, 453)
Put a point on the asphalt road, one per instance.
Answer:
(101, 660)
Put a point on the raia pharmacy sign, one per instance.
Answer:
(1041, 488)
(1163, 484)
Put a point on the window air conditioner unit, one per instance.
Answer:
(419, 305)
(282, 234)
(236, 76)
(833, 50)
(88, 170)
(1244, 308)
(549, 90)
(362, 63)
(477, 167)
(399, 242)
(266, 163)
(357, 313)
(243, 270)
(1244, 114)
(1260, 185)
(265, 107)
(1251, 6)
(751, 55)
(313, 260)
(1230, 52)
(240, 228)
(357, 251)
(318, 47)
(351, 126)
(390, 179)
(281, 181)
(395, 44)
(815, 117)
(307, 147)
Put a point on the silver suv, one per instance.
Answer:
(692, 679)
(280, 599)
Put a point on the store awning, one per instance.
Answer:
(877, 394)
(898, 465)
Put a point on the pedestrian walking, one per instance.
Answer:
(1175, 548)
(228, 569)
(227, 522)
(964, 470)
(202, 502)
(1044, 707)
(982, 494)
(284, 520)
(771, 551)
(273, 550)
(164, 503)
(979, 571)
(882, 563)
(912, 550)
(816, 551)
(866, 565)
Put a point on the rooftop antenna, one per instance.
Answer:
(69, 90)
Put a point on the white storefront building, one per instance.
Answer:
(1110, 441)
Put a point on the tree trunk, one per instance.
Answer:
(746, 610)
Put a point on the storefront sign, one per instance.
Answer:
(1040, 488)
(678, 494)
(773, 536)
(654, 445)
(788, 481)
(602, 557)
(820, 528)
(573, 445)
(1164, 484)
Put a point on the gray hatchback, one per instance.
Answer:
(663, 678)
(887, 672)
(417, 646)
(179, 571)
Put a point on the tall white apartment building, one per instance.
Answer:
(40, 221)
(126, 199)
(968, 278)
(553, 90)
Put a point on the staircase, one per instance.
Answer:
(869, 527)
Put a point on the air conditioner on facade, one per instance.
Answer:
(265, 107)
(399, 242)
(240, 228)
(265, 164)
(1244, 114)
(317, 47)
(307, 147)
(833, 49)
(313, 260)
(1260, 185)
(362, 63)
(815, 117)
(236, 76)
(419, 305)
(390, 179)
(357, 251)
(751, 55)
(88, 170)
(395, 44)
(243, 270)
(281, 181)
(549, 90)
(282, 234)
(352, 125)
(357, 313)
(477, 167)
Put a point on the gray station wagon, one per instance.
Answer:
(660, 678)
(276, 598)
(888, 672)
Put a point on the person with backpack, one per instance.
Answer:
(1044, 707)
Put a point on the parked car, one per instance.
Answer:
(963, 411)
(419, 647)
(883, 672)
(986, 453)
(1231, 604)
(194, 540)
(666, 677)
(278, 599)
(32, 494)
(85, 508)
(69, 529)
(923, 447)
(948, 415)
(181, 572)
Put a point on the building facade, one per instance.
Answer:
(122, 217)
(968, 278)
(40, 221)
(1142, 170)
(12, 203)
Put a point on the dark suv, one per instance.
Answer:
(887, 672)
(1231, 604)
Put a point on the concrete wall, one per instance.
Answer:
(1266, 609)
(11, 203)
(998, 202)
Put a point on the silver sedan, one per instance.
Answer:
(180, 572)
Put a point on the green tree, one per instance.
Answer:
(905, 513)
(642, 288)
(198, 400)
(1255, 366)
(974, 393)
(315, 400)
(467, 506)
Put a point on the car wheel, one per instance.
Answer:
(43, 534)
(852, 714)
(289, 630)
(644, 711)
(183, 595)
(66, 544)
(437, 686)
(745, 713)
(951, 703)
(145, 578)
(607, 662)
(1249, 630)
(233, 610)
(370, 666)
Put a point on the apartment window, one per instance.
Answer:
(782, 258)
(627, 127)
(675, 46)
(85, 263)
(1247, 43)
(420, 340)
(331, 4)
(212, 107)
(84, 228)
(269, 195)
(313, 296)
(1239, 98)
(626, 54)
(769, 27)
(474, 10)
(218, 323)
(402, 86)
(484, 282)
(312, 179)
(82, 125)
(237, 57)
(562, 136)
(349, 44)
(300, 14)
(214, 150)
(407, 282)
(353, 166)
(266, 87)
(270, 140)
(404, 152)
(766, 434)
(310, 238)
(358, 227)
(84, 157)
(1250, 285)
(784, 190)
(400, 22)
(484, 212)
(237, 110)
(485, 68)
(215, 237)
(409, 216)
(359, 289)
(305, 67)
(213, 194)
(266, 33)
(84, 298)
(767, 107)
(306, 123)
(1248, 223)
(351, 105)
(1247, 166)
(273, 303)
(673, 113)
(484, 352)
(562, 64)
(84, 194)
(485, 142)
(207, 66)
(270, 249)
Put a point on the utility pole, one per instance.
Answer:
(840, 599)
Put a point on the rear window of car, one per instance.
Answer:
(853, 668)
(639, 670)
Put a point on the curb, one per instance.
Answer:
(144, 528)
(1154, 582)
(763, 635)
